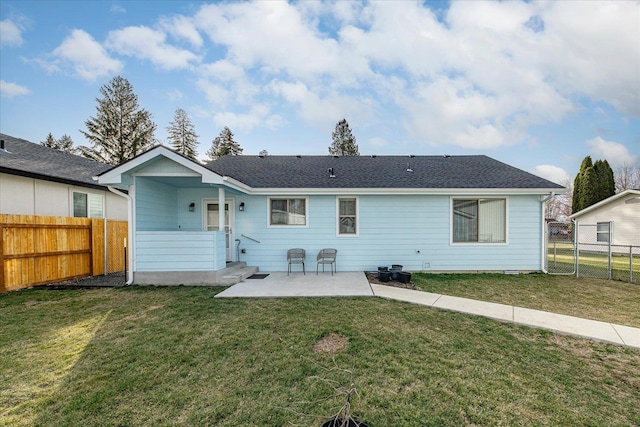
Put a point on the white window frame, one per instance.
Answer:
(357, 233)
(599, 233)
(89, 194)
(479, 198)
(306, 212)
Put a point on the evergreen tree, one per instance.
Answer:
(577, 202)
(344, 143)
(50, 142)
(224, 144)
(593, 183)
(182, 135)
(65, 143)
(120, 130)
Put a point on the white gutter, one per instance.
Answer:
(129, 230)
(543, 233)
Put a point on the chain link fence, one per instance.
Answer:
(590, 250)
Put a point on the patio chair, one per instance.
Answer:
(327, 256)
(296, 256)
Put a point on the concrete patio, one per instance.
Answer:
(279, 284)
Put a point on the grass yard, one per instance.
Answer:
(177, 356)
(606, 300)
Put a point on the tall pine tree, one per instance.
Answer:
(50, 142)
(120, 130)
(344, 143)
(577, 202)
(223, 145)
(65, 143)
(182, 135)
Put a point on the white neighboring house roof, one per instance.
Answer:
(606, 202)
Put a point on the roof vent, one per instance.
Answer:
(298, 156)
(331, 174)
(409, 167)
(335, 156)
(2, 148)
(446, 156)
(373, 156)
(412, 156)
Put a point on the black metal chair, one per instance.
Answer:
(327, 256)
(296, 256)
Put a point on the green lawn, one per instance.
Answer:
(177, 356)
(606, 300)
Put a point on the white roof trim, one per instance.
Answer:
(405, 191)
(114, 176)
(605, 202)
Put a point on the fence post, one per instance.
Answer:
(2, 287)
(630, 263)
(576, 247)
(609, 267)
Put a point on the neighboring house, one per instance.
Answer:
(614, 220)
(37, 180)
(433, 213)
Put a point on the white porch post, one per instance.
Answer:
(221, 211)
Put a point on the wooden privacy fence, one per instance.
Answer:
(36, 250)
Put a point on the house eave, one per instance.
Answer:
(402, 191)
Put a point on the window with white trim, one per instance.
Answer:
(347, 216)
(291, 211)
(87, 205)
(602, 232)
(479, 220)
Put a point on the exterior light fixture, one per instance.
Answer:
(241, 207)
(192, 206)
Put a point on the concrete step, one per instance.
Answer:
(236, 274)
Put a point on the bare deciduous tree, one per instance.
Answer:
(627, 177)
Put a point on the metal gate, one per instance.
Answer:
(560, 248)
(587, 250)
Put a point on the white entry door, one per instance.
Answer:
(212, 213)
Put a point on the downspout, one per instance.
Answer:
(543, 253)
(129, 231)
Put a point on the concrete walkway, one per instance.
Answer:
(593, 329)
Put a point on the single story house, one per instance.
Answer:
(613, 222)
(432, 213)
(38, 180)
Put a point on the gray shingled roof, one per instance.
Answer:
(437, 172)
(33, 160)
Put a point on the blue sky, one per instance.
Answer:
(538, 85)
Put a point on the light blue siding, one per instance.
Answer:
(406, 230)
(179, 251)
(410, 230)
(156, 207)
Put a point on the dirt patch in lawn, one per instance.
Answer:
(331, 344)
(373, 278)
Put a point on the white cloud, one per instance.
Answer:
(9, 89)
(116, 8)
(614, 153)
(182, 28)
(10, 33)
(258, 115)
(145, 43)
(86, 56)
(174, 95)
(552, 173)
